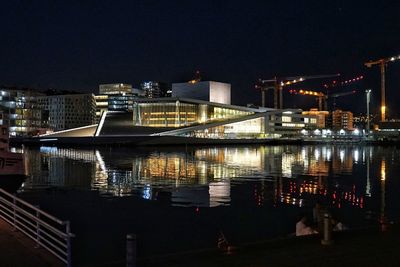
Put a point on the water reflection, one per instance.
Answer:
(383, 192)
(282, 175)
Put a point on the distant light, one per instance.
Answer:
(304, 132)
(317, 132)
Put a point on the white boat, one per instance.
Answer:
(11, 164)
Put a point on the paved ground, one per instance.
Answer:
(362, 248)
(17, 250)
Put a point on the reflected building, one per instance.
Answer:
(288, 175)
(53, 167)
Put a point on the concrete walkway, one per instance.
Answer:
(365, 248)
(18, 250)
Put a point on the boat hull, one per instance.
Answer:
(11, 164)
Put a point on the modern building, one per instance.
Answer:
(101, 105)
(207, 91)
(183, 120)
(69, 111)
(342, 120)
(115, 89)
(138, 93)
(320, 115)
(115, 97)
(201, 119)
(155, 89)
(20, 111)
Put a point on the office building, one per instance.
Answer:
(115, 89)
(69, 111)
(115, 97)
(342, 120)
(101, 105)
(320, 115)
(20, 111)
(155, 89)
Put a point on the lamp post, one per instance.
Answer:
(368, 92)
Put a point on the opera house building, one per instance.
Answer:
(193, 119)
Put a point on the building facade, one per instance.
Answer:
(115, 97)
(202, 119)
(69, 111)
(342, 120)
(320, 115)
(207, 91)
(20, 111)
(115, 89)
(155, 89)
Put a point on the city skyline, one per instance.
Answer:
(77, 45)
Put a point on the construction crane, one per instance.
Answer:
(277, 85)
(322, 98)
(344, 82)
(382, 63)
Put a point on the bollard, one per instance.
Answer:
(327, 239)
(130, 250)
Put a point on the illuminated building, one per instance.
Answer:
(321, 116)
(101, 105)
(201, 119)
(20, 111)
(216, 92)
(342, 120)
(387, 130)
(197, 119)
(115, 97)
(115, 89)
(155, 89)
(69, 111)
(204, 176)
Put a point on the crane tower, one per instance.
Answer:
(382, 63)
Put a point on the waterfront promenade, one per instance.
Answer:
(361, 248)
(357, 248)
(18, 250)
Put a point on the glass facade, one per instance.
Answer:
(180, 114)
(69, 111)
(253, 128)
(20, 112)
(154, 89)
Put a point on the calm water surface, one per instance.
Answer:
(186, 195)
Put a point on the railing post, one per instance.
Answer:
(130, 250)
(14, 212)
(327, 238)
(37, 227)
(69, 252)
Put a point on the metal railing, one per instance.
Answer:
(46, 230)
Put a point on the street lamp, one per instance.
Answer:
(368, 92)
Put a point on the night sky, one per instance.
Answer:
(77, 45)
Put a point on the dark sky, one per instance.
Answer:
(79, 44)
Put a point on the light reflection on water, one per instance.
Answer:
(293, 175)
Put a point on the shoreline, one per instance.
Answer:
(185, 141)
